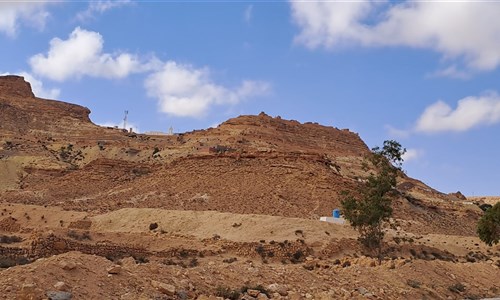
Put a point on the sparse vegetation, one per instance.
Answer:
(8, 145)
(413, 283)
(156, 152)
(153, 226)
(227, 293)
(193, 262)
(9, 239)
(457, 288)
(297, 257)
(140, 259)
(79, 236)
(7, 262)
(371, 207)
(229, 260)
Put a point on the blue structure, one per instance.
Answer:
(336, 213)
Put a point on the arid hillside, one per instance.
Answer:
(105, 213)
(53, 154)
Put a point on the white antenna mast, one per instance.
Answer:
(125, 120)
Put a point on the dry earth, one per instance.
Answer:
(100, 213)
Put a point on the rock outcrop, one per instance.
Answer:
(21, 112)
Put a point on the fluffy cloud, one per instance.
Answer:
(462, 30)
(412, 154)
(185, 91)
(469, 113)
(37, 86)
(82, 55)
(31, 13)
(99, 7)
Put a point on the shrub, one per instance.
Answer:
(155, 150)
(227, 293)
(457, 288)
(230, 260)
(9, 239)
(297, 257)
(153, 226)
(80, 237)
(413, 283)
(488, 227)
(7, 262)
(193, 263)
(140, 259)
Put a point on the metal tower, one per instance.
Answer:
(125, 120)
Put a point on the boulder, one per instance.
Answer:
(58, 295)
(115, 269)
(164, 288)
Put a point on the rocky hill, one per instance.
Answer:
(122, 215)
(53, 154)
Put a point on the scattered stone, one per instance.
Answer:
(253, 293)
(294, 296)
(59, 245)
(128, 262)
(262, 296)
(164, 288)
(282, 290)
(362, 290)
(67, 265)
(204, 297)
(60, 286)
(115, 269)
(58, 295)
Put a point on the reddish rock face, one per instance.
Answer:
(21, 111)
(12, 85)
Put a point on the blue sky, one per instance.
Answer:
(423, 73)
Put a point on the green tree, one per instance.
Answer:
(371, 206)
(488, 227)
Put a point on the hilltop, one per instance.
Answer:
(251, 190)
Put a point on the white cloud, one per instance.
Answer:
(185, 91)
(247, 15)
(467, 31)
(412, 154)
(12, 13)
(470, 112)
(37, 86)
(99, 7)
(452, 72)
(81, 55)
(395, 132)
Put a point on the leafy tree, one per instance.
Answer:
(488, 227)
(371, 207)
